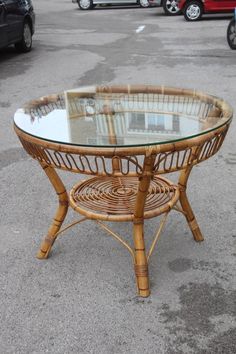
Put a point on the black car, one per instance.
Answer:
(17, 21)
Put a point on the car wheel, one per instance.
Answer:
(143, 3)
(193, 11)
(85, 4)
(25, 44)
(171, 7)
(231, 34)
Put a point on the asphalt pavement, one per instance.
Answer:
(83, 298)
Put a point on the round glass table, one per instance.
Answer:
(125, 138)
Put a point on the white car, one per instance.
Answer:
(89, 4)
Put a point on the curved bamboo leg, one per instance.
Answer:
(60, 215)
(141, 263)
(192, 222)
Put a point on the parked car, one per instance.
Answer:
(170, 7)
(17, 20)
(231, 32)
(90, 4)
(194, 9)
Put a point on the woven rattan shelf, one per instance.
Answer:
(113, 198)
(125, 138)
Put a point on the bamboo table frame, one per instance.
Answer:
(133, 175)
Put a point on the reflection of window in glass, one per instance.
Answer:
(153, 122)
(176, 123)
(156, 122)
(137, 120)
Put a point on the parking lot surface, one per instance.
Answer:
(82, 299)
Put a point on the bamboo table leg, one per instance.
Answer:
(192, 222)
(60, 215)
(141, 264)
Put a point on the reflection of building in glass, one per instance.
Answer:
(99, 119)
(140, 127)
(79, 108)
(155, 122)
(110, 129)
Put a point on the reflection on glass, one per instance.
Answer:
(86, 117)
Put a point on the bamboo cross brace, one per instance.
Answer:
(70, 225)
(158, 234)
(117, 237)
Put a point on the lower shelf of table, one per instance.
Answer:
(114, 198)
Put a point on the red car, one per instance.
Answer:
(194, 9)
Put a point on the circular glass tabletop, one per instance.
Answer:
(91, 116)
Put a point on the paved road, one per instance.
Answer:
(82, 299)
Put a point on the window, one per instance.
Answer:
(156, 122)
(137, 121)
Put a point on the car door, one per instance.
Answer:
(14, 19)
(219, 5)
(229, 4)
(3, 25)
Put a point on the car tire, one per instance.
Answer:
(143, 3)
(85, 4)
(25, 44)
(171, 7)
(193, 10)
(231, 34)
